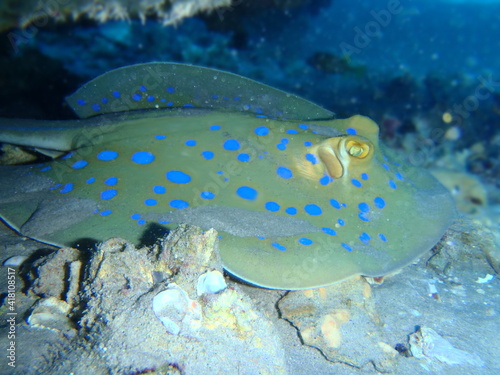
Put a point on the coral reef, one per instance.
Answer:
(21, 14)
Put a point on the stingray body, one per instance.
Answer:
(300, 199)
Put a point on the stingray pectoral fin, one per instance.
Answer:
(288, 266)
(15, 214)
(170, 85)
(28, 206)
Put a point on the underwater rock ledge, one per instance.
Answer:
(16, 14)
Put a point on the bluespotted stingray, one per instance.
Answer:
(300, 199)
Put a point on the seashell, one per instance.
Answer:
(211, 282)
(176, 310)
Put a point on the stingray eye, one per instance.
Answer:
(358, 149)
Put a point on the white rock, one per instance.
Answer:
(427, 343)
(15, 261)
(484, 280)
(211, 282)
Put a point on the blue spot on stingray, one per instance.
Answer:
(329, 231)
(291, 211)
(143, 157)
(91, 180)
(281, 146)
(258, 110)
(105, 212)
(284, 172)
(386, 167)
(96, 107)
(135, 216)
(150, 202)
(188, 105)
(311, 158)
(81, 102)
(313, 209)
(158, 189)
(341, 222)
(261, 116)
(170, 104)
(365, 237)
(247, 192)
(116, 94)
(399, 176)
(160, 136)
(382, 237)
(107, 155)
(67, 188)
(141, 222)
(170, 89)
(364, 207)
(346, 246)
(111, 181)
(303, 126)
(104, 100)
(272, 206)
(137, 97)
(292, 131)
(150, 98)
(79, 164)
(305, 241)
(47, 168)
(244, 157)
(308, 144)
(278, 246)
(392, 184)
(178, 177)
(207, 195)
(178, 203)
(220, 172)
(163, 222)
(363, 216)
(364, 176)
(207, 155)
(356, 182)
(351, 131)
(379, 202)
(68, 155)
(143, 88)
(335, 204)
(191, 143)
(325, 180)
(260, 237)
(237, 98)
(284, 141)
(231, 145)
(215, 127)
(108, 194)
